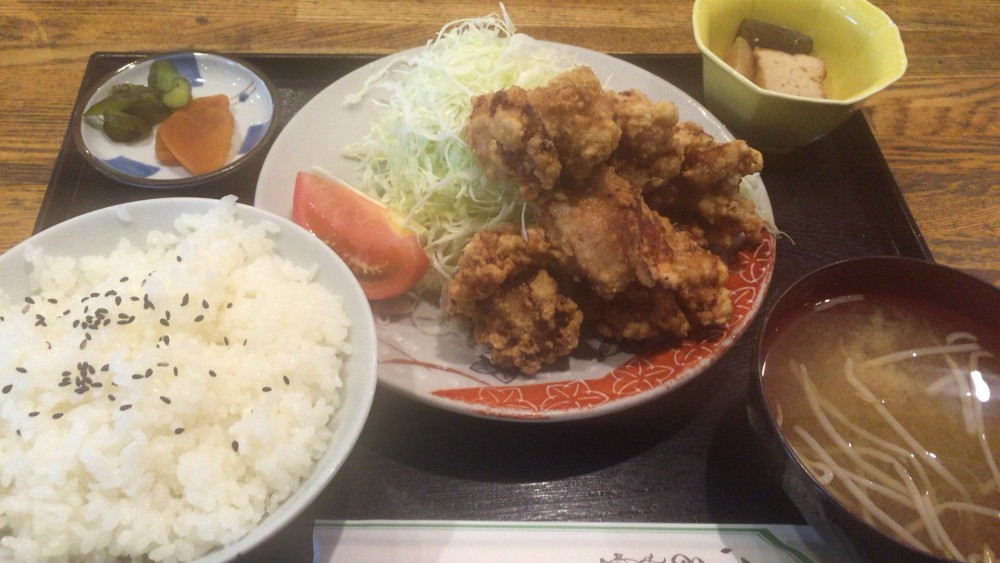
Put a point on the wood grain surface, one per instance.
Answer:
(938, 127)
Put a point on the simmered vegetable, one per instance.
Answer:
(770, 36)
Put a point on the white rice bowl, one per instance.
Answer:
(179, 377)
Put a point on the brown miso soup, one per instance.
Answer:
(894, 405)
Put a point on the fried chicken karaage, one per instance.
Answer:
(629, 203)
(511, 141)
(515, 306)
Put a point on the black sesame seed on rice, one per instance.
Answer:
(266, 389)
(204, 303)
(20, 369)
(285, 379)
(111, 397)
(165, 400)
(124, 279)
(199, 318)
(125, 407)
(212, 373)
(184, 300)
(29, 300)
(136, 376)
(236, 446)
(7, 388)
(57, 416)
(33, 414)
(178, 430)
(149, 372)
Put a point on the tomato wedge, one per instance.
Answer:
(383, 253)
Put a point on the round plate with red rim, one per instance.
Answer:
(421, 357)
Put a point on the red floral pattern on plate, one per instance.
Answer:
(642, 377)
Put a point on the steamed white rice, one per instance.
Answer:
(158, 402)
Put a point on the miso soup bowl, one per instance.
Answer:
(905, 277)
(858, 42)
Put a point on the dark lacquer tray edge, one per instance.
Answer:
(903, 229)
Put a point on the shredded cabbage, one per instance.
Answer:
(415, 159)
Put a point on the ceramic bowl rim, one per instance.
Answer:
(876, 87)
(757, 392)
(76, 123)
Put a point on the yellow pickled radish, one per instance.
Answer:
(197, 135)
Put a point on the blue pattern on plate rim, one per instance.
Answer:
(132, 167)
(187, 66)
(254, 134)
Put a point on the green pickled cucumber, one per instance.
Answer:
(150, 109)
(122, 97)
(162, 75)
(122, 127)
(130, 111)
(179, 95)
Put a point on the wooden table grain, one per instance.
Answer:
(938, 127)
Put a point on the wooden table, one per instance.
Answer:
(939, 126)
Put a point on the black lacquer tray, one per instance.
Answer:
(687, 458)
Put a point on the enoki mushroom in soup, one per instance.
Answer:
(892, 404)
